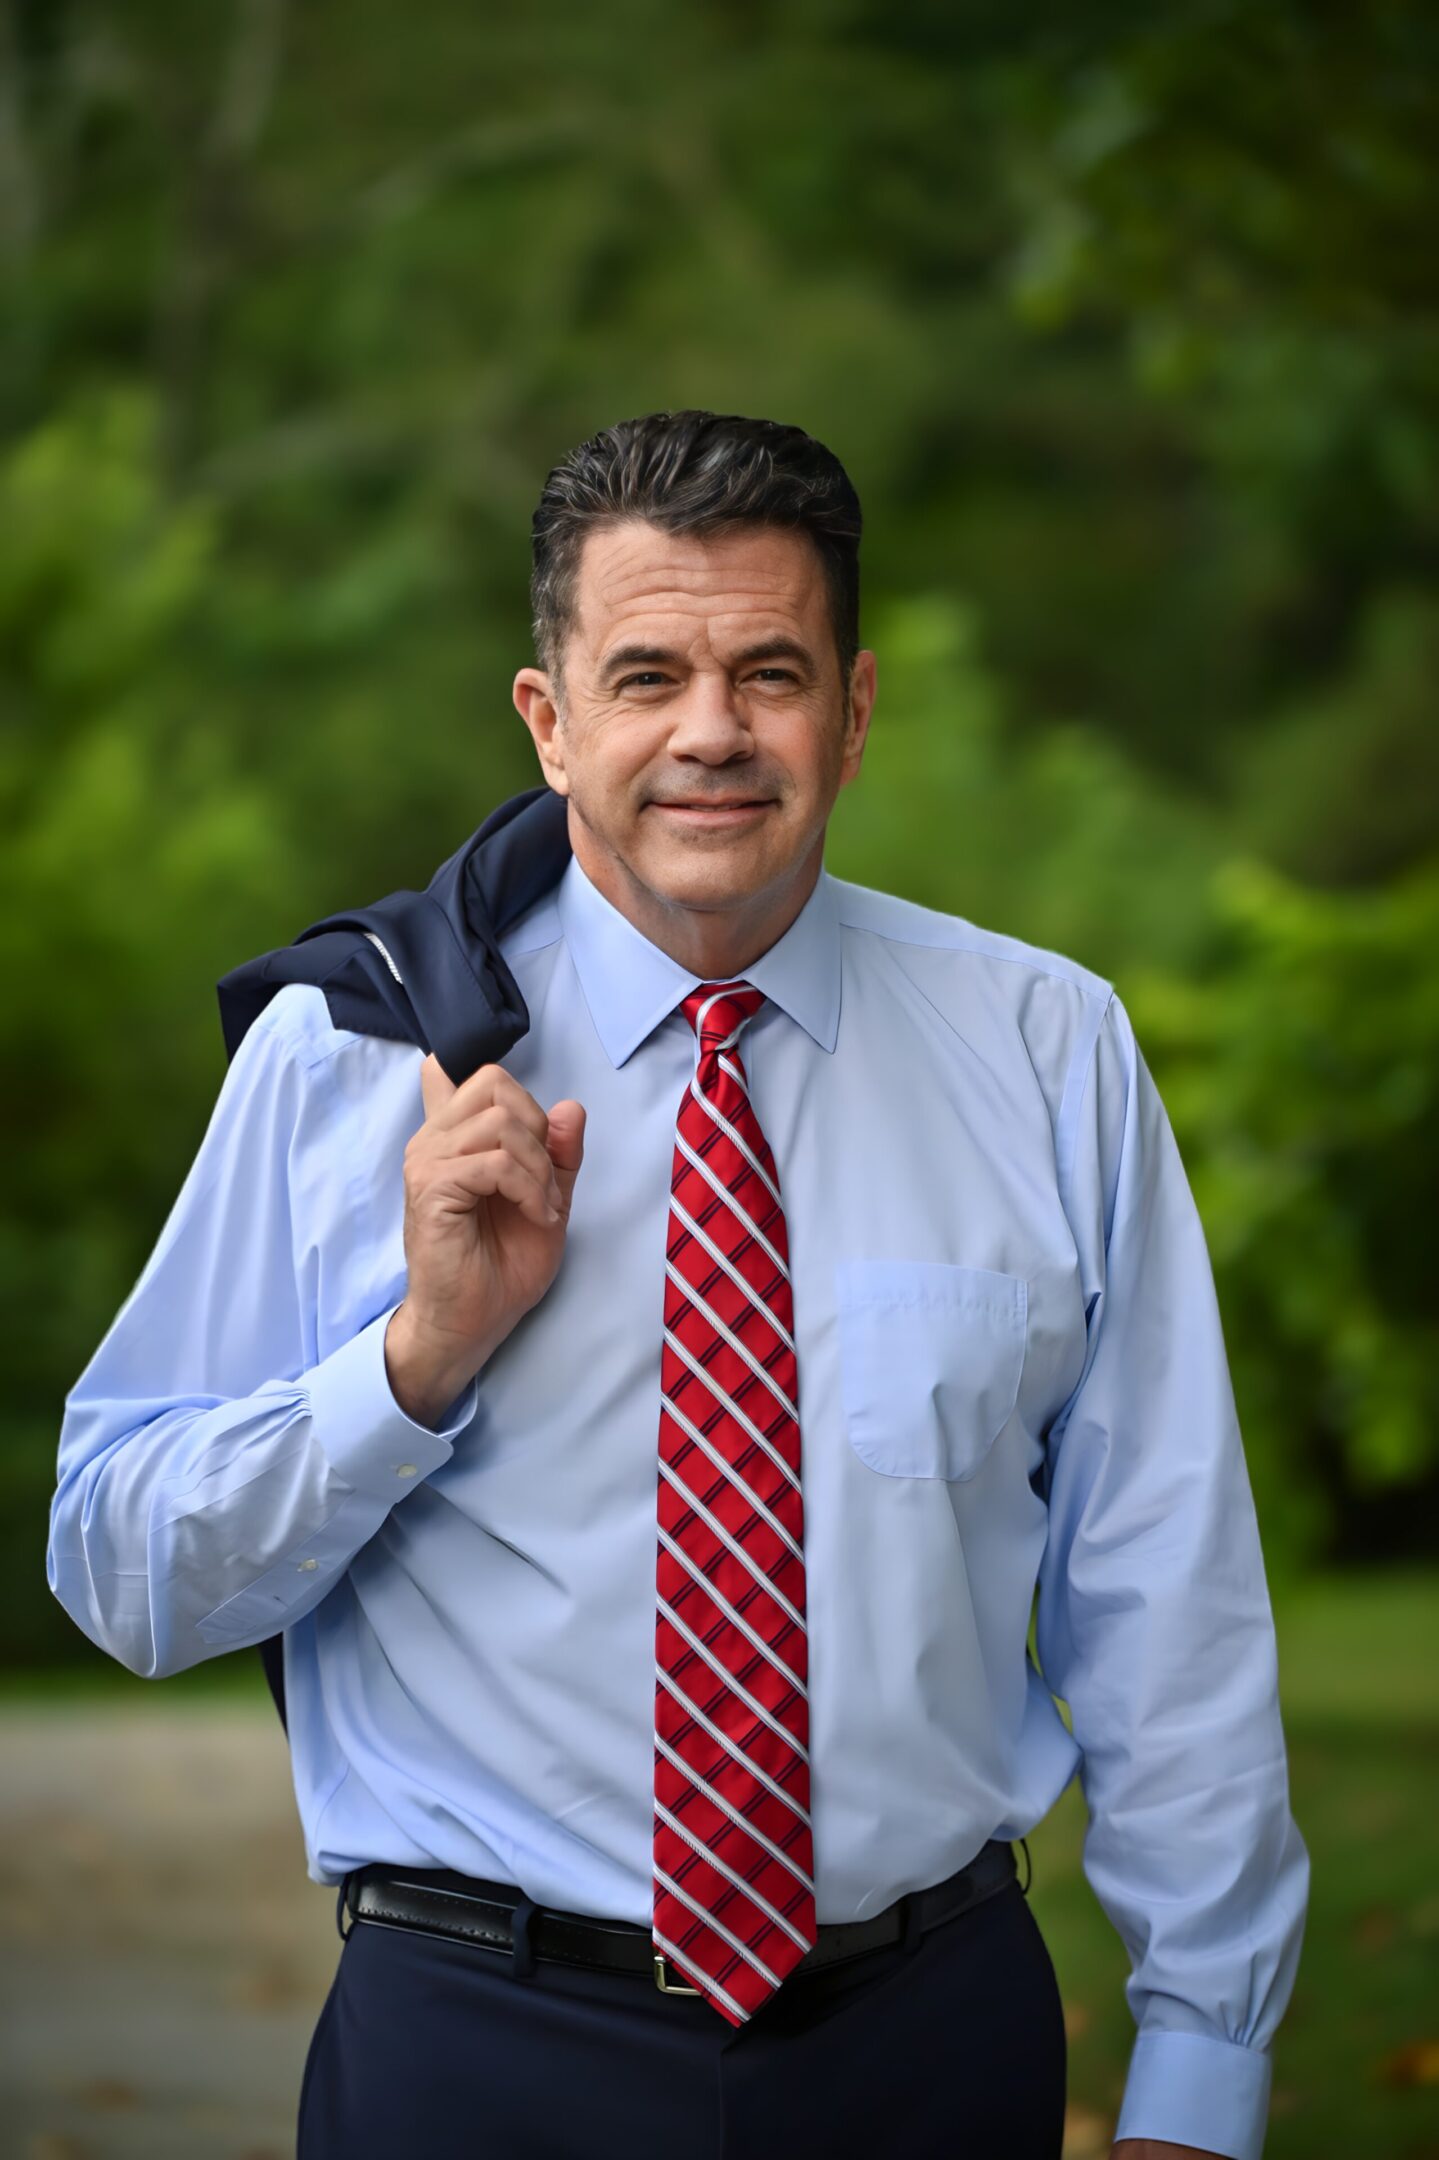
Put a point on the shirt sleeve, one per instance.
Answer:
(212, 1481)
(1154, 1625)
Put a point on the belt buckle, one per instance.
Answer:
(668, 1987)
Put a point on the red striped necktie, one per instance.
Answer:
(733, 1856)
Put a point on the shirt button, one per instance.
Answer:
(405, 1469)
(307, 1564)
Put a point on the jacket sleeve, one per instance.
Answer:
(1154, 1625)
(213, 1483)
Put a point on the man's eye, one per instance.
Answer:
(652, 675)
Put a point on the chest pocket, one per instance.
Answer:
(930, 1362)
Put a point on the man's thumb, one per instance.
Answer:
(566, 1143)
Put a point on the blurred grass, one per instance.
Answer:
(238, 1678)
(1357, 2055)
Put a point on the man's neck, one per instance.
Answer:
(717, 944)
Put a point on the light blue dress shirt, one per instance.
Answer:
(1012, 1375)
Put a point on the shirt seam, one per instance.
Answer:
(289, 1037)
(353, 1185)
(1082, 1065)
(1057, 968)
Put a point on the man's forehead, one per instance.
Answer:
(636, 569)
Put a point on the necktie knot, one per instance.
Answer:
(717, 1011)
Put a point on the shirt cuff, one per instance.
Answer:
(1193, 2090)
(374, 1444)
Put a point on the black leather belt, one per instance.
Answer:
(470, 1909)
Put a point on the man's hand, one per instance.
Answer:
(1157, 2149)
(489, 1178)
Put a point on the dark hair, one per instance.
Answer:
(693, 472)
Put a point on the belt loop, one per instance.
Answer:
(524, 1950)
(1028, 1866)
(344, 1932)
(911, 1922)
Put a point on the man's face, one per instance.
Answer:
(702, 732)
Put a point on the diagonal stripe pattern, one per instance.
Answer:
(733, 1856)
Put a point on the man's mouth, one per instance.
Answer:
(731, 810)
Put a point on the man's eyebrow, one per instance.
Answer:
(774, 648)
(637, 656)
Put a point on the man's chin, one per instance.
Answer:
(708, 876)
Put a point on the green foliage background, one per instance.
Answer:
(1124, 321)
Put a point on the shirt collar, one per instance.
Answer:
(630, 984)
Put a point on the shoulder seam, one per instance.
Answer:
(1057, 967)
(301, 1047)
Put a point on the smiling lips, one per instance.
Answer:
(715, 809)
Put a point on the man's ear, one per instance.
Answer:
(537, 705)
(862, 688)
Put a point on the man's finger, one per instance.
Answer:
(436, 1086)
(486, 1085)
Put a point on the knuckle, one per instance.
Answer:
(515, 1093)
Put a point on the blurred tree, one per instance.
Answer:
(1301, 1078)
(1124, 323)
(1249, 192)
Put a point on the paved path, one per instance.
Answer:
(159, 1982)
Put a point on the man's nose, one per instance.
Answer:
(709, 719)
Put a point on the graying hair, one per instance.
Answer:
(693, 472)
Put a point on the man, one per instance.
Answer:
(652, 1442)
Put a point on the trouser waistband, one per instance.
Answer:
(498, 1916)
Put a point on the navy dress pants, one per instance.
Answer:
(949, 2044)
